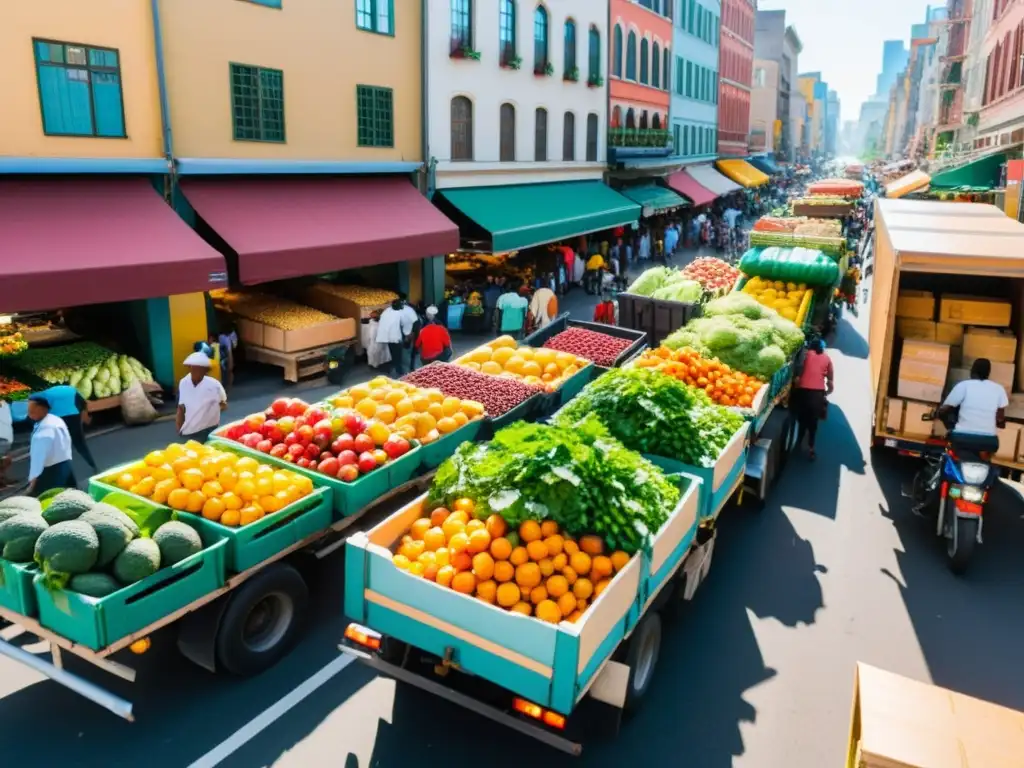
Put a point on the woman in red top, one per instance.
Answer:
(813, 385)
(434, 342)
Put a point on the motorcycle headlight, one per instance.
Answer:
(974, 472)
(972, 493)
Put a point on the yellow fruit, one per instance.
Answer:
(212, 488)
(485, 590)
(246, 490)
(281, 480)
(458, 542)
(619, 560)
(250, 515)
(196, 501)
(451, 526)
(566, 604)
(504, 341)
(547, 610)
(474, 525)
(444, 576)
(472, 408)
(538, 594)
(163, 489)
(460, 419)
(386, 414)
(519, 556)
(479, 541)
(583, 588)
(419, 528)
(483, 566)
(537, 550)
(271, 504)
(367, 407)
(507, 595)
(125, 481)
(502, 355)
(401, 561)
(580, 562)
(232, 501)
(425, 423)
(557, 586)
(417, 569)
(514, 365)
(434, 539)
(192, 479)
(264, 485)
(232, 518)
(178, 499)
(504, 571)
(155, 458)
(464, 582)
(528, 575)
(544, 357)
(403, 407)
(436, 410)
(213, 509)
(246, 464)
(412, 549)
(491, 367)
(163, 472)
(227, 478)
(446, 425)
(378, 432)
(480, 355)
(442, 556)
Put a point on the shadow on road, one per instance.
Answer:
(848, 340)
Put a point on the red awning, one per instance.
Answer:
(290, 227)
(683, 183)
(69, 242)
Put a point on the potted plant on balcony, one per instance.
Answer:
(595, 81)
(463, 50)
(572, 76)
(544, 70)
(512, 62)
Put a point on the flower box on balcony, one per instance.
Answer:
(512, 63)
(572, 76)
(595, 81)
(546, 70)
(460, 51)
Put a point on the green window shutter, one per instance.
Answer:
(374, 116)
(79, 90)
(257, 103)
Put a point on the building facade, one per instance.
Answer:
(736, 65)
(764, 106)
(832, 123)
(815, 93)
(894, 60)
(640, 72)
(695, 83)
(1001, 120)
(777, 42)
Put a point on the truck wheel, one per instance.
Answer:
(642, 660)
(262, 620)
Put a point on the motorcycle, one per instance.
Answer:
(955, 482)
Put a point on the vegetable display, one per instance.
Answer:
(600, 348)
(274, 311)
(13, 390)
(667, 284)
(794, 265)
(546, 368)
(823, 201)
(579, 477)
(714, 275)
(94, 371)
(841, 188)
(834, 245)
(498, 394)
(655, 414)
(722, 384)
(12, 344)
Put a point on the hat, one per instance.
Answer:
(198, 360)
(41, 399)
(431, 311)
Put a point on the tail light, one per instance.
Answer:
(537, 712)
(363, 636)
(969, 507)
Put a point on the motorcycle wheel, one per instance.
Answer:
(960, 547)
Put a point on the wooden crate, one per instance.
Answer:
(256, 334)
(321, 297)
(297, 366)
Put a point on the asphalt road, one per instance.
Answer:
(757, 671)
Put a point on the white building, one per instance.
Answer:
(695, 81)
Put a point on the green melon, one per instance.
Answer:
(113, 536)
(68, 505)
(177, 541)
(18, 504)
(141, 558)
(18, 536)
(94, 584)
(119, 515)
(68, 547)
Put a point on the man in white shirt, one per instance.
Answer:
(201, 399)
(982, 403)
(389, 331)
(50, 450)
(6, 440)
(411, 325)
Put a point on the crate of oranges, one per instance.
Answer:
(544, 368)
(724, 385)
(259, 508)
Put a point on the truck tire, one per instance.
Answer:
(262, 620)
(642, 660)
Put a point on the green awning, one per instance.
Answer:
(525, 215)
(653, 197)
(981, 173)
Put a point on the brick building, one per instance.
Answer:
(736, 69)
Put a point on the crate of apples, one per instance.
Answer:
(714, 275)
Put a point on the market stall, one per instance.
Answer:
(743, 173)
(915, 181)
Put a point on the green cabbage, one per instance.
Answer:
(679, 290)
(653, 279)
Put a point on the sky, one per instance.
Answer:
(843, 40)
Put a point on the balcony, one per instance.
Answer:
(951, 109)
(952, 76)
(626, 143)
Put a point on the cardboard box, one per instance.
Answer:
(320, 335)
(926, 352)
(916, 304)
(913, 329)
(1015, 410)
(999, 346)
(922, 371)
(1002, 373)
(1009, 438)
(974, 310)
(894, 415)
(913, 420)
(955, 376)
(949, 333)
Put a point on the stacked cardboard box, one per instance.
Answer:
(922, 371)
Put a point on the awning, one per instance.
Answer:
(68, 242)
(905, 185)
(683, 183)
(291, 227)
(711, 179)
(981, 173)
(765, 165)
(524, 215)
(742, 173)
(653, 198)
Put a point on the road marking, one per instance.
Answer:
(271, 714)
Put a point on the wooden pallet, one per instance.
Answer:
(106, 403)
(298, 366)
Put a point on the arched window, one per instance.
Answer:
(570, 49)
(656, 122)
(666, 70)
(462, 24)
(507, 148)
(540, 40)
(540, 135)
(656, 66)
(462, 128)
(507, 31)
(630, 118)
(594, 55)
(644, 61)
(617, 51)
(569, 136)
(592, 137)
(616, 117)
(643, 119)
(631, 56)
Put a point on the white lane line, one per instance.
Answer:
(275, 712)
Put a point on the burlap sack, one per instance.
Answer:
(136, 407)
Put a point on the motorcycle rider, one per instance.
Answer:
(982, 408)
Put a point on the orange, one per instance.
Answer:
(213, 509)
(592, 545)
(581, 605)
(583, 588)
(445, 574)
(574, 616)
(570, 575)
(125, 481)
(557, 586)
(246, 490)
(548, 528)
(560, 561)
(519, 556)
(529, 531)
(580, 562)
(464, 582)
(601, 586)
(192, 479)
(522, 607)
(570, 547)
(460, 514)
(212, 488)
(507, 595)
(496, 526)
(434, 539)
(547, 610)
(461, 561)
(501, 549)
(442, 556)
(401, 562)
(602, 566)
(438, 516)
(178, 498)
(538, 595)
(619, 560)
(504, 571)
(554, 544)
(546, 567)
(566, 603)
(412, 549)
(465, 505)
(232, 501)
(437, 411)
(485, 590)
(231, 517)
(196, 500)
(483, 566)
(475, 525)
(460, 419)
(452, 526)
(537, 550)
(528, 575)
(430, 571)
(479, 541)
(250, 515)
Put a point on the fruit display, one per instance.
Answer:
(822, 201)
(790, 300)
(655, 414)
(12, 343)
(666, 284)
(837, 188)
(742, 333)
(714, 275)
(545, 368)
(93, 370)
(791, 265)
(497, 394)
(222, 486)
(722, 384)
(273, 311)
(601, 348)
(359, 295)
(13, 390)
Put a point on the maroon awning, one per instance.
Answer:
(290, 227)
(69, 242)
(683, 183)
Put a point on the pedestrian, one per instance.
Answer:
(389, 331)
(604, 312)
(543, 307)
(644, 248)
(814, 381)
(512, 309)
(68, 404)
(595, 270)
(433, 343)
(491, 294)
(6, 440)
(49, 451)
(671, 241)
(201, 398)
(227, 341)
(410, 325)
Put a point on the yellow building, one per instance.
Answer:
(806, 84)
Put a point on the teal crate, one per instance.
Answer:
(527, 410)
(575, 384)
(16, 593)
(99, 622)
(435, 453)
(403, 469)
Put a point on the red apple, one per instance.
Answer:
(367, 462)
(313, 451)
(302, 461)
(235, 432)
(396, 446)
(280, 406)
(279, 450)
(354, 423)
(296, 407)
(291, 438)
(347, 457)
(273, 432)
(305, 433)
(348, 473)
(321, 441)
(264, 446)
(295, 450)
(269, 413)
(254, 423)
(313, 466)
(329, 466)
(314, 414)
(344, 442)
(363, 443)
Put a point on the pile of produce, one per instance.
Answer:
(598, 347)
(791, 265)
(93, 548)
(13, 390)
(545, 368)
(714, 275)
(360, 295)
(721, 383)
(823, 201)
(666, 284)
(222, 486)
(94, 371)
(743, 334)
(790, 300)
(12, 343)
(841, 188)
(497, 394)
(654, 414)
(273, 311)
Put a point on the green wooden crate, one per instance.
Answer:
(16, 591)
(99, 622)
(434, 454)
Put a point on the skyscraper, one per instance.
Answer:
(894, 59)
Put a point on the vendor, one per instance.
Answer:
(201, 398)
(50, 450)
(595, 266)
(433, 342)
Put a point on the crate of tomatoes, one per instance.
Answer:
(723, 384)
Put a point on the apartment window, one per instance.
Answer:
(594, 55)
(462, 24)
(79, 90)
(686, 141)
(760, 77)
(675, 139)
(644, 61)
(374, 116)
(540, 135)
(689, 80)
(656, 66)
(507, 147)
(666, 68)
(631, 56)
(570, 48)
(693, 17)
(462, 128)
(668, 9)
(617, 51)
(693, 140)
(680, 77)
(257, 103)
(540, 39)
(374, 15)
(592, 138)
(569, 136)
(507, 31)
